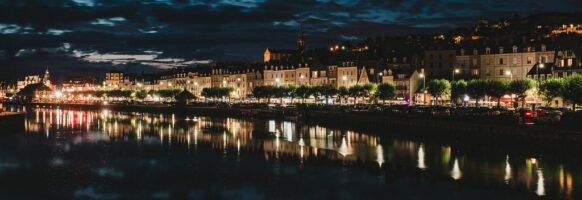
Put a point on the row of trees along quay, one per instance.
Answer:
(570, 89)
(384, 91)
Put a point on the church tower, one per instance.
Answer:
(300, 41)
(46, 78)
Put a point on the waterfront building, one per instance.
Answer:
(318, 76)
(566, 63)
(197, 81)
(407, 83)
(242, 79)
(347, 75)
(34, 79)
(7, 88)
(503, 62)
(439, 62)
(468, 63)
(36, 91)
(77, 83)
(113, 80)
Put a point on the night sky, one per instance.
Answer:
(84, 37)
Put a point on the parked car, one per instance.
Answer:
(525, 116)
(549, 117)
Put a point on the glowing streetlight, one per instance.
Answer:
(455, 71)
(540, 65)
(509, 74)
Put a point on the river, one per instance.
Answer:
(103, 154)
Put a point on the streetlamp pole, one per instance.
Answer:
(455, 71)
(509, 74)
(423, 87)
(539, 65)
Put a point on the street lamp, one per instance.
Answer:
(539, 65)
(455, 71)
(380, 77)
(509, 74)
(423, 86)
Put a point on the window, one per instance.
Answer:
(474, 61)
(569, 62)
(501, 61)
(529, 60)
(515, 61)
(544, 59)
(475, 72)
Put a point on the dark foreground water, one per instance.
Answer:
(67, 154)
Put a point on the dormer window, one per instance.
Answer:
(500, 50)
(475, 52)
(487, 50)
(514, 49)
(543, 47)
(462, 52)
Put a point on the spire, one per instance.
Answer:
(300, 41)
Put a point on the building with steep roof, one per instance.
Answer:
(283, 55)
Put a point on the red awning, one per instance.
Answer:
(502, 100)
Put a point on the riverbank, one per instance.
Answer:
(505, 129)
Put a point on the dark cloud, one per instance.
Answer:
(79, 36)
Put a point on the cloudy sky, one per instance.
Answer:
(83, 37)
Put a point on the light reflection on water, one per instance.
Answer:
(286, 140)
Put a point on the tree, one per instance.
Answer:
(572, 90)
(551, 89)
(292, 91)
(477, 88)
(303, 91)
(438, 88)
(141, 94)
(458, 90)
(386, 91)
(520, 88)
(496, 89)
(356, 91)
(369, 90)
(225, 91)
(342, 93)
(328, 91)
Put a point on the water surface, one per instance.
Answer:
(103, 154)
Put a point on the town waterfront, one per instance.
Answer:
(106, 154)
